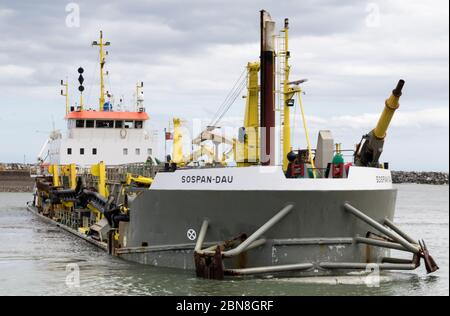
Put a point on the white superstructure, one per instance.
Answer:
(108, 134)
(112, 137)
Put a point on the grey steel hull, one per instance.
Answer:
(317, 230)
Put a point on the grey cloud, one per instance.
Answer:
(184, 26)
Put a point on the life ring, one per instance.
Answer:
(123, 133)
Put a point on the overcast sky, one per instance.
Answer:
(189, 54)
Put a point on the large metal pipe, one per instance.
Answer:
(268, 225)
(255, 244)
(391, 105)
(267, 155)
(371, 146)
(211, 250)
(380, 243)
(396, 260)
(410, 247)
(363, 266)
(201, 236)
(396, 229)
(269, 269)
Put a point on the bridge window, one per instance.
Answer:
(81, 151)
(119, 124)
(79, 124)
(94, 151)
(128, 124)
(138, 124)
(69, 151)
(125, 151)
(104, 124)
(89, 123)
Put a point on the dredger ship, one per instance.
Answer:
(313, 215)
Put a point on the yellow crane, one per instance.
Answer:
(247, 146)
(177, 148)
(289, 91)
(138, 180)
(71, 172)
(204, 150)
(287, 96)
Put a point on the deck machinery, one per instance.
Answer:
(314, 215)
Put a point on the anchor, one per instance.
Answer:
(209, 267)
(430, 264)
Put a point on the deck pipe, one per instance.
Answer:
(257, 234)
(380, 243)
(362, 266)
(410, 247)
(211, 250)
(257, 243)
(269, 269)
(201, 236)
(396, 229)
(396, 260)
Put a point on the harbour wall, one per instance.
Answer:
(16, 181)
(15, 177)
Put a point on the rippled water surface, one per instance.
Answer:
(34, 256)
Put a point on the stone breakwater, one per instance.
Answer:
(16, 181)
(436, 178)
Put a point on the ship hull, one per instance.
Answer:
(317, 230)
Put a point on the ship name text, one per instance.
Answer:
(207, 179)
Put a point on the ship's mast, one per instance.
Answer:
(286, 106)
(267, 109)
(65, 93)
(101, 46)
(139, 98)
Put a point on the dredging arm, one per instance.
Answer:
(369, 150)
